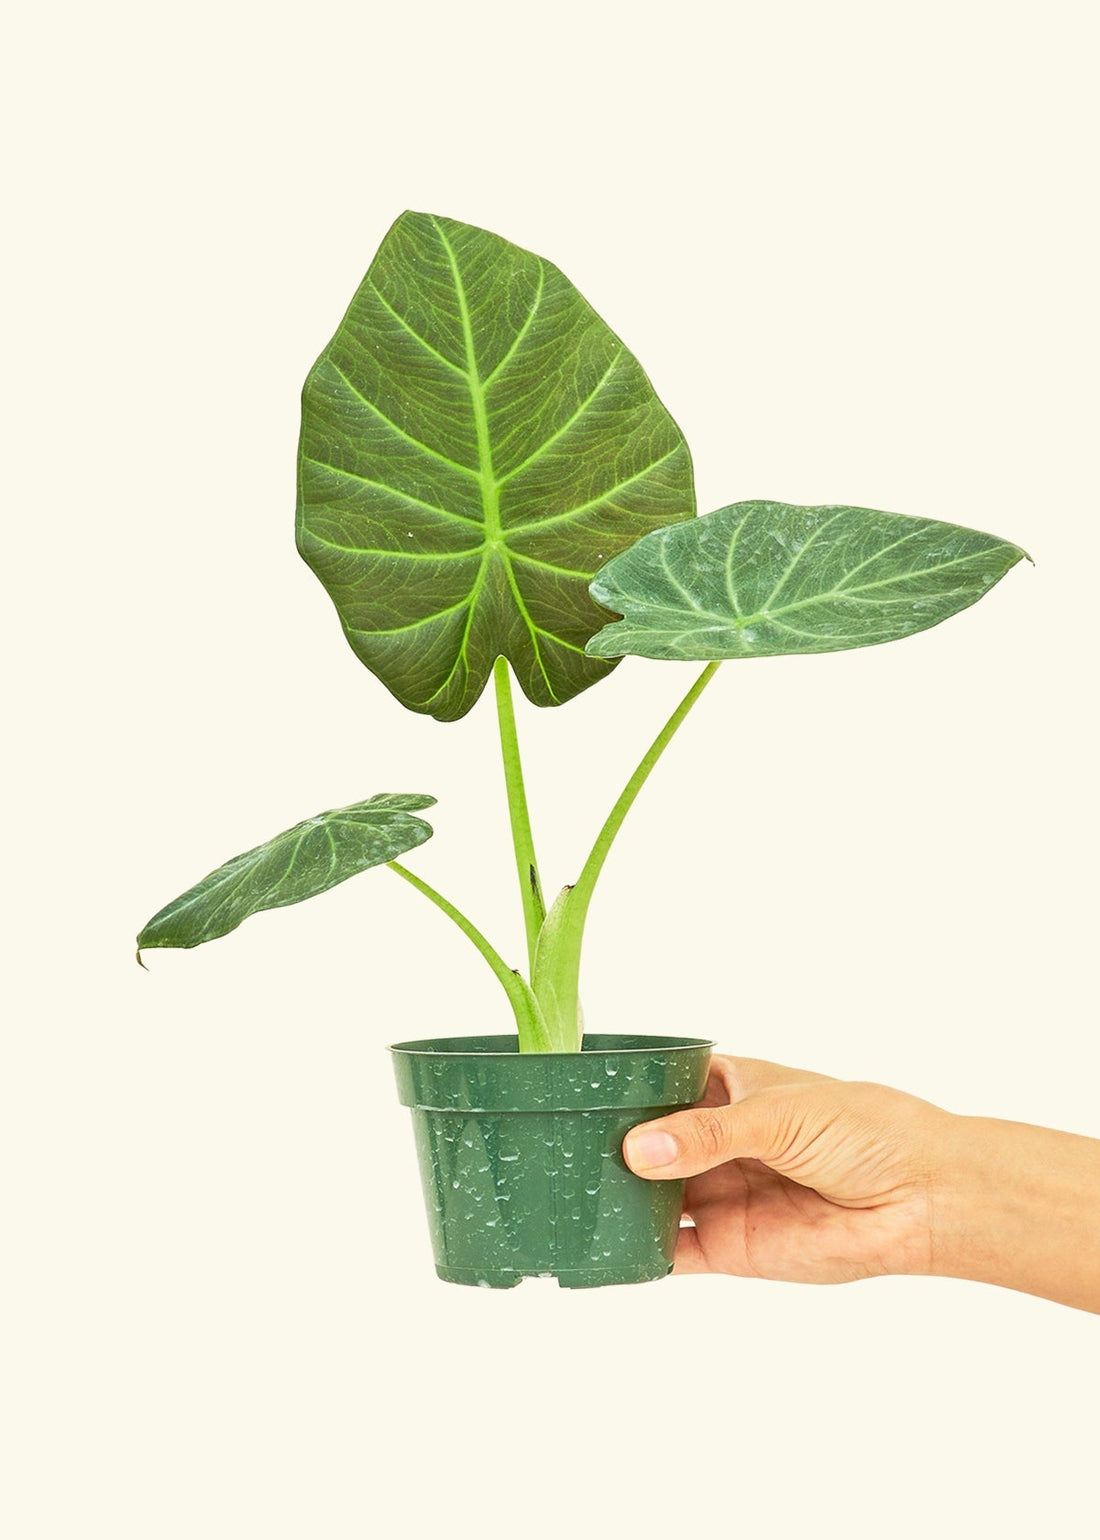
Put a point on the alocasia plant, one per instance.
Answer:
(486, 478)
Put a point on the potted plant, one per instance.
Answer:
(487, 486)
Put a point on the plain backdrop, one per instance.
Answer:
(853, 246)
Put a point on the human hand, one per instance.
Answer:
(798, 1177)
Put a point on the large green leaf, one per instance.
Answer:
(476, 442)
(310, 858)
(760, 579)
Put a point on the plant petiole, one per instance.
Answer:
(556, 976)
(533, 1036)
(523, 842)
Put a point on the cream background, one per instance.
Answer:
(853, 246)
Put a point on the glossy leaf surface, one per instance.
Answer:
(475, 444)
(761, 579)
(310, 858)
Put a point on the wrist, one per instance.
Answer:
(1018, 1206)
(974, 1215)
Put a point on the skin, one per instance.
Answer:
(795, 1176)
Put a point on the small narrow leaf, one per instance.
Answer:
(762, 579)
(475, 443)
(310, 858)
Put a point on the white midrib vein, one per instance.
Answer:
(715, 620)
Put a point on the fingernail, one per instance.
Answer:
(653, 1149)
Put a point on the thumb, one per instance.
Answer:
(686, 1143)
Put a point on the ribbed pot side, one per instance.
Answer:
(521, 1155)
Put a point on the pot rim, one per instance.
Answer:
(593, 1042)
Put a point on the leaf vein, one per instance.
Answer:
(524, 329)
(580, 411)
(359, 550)
(582, 508)
(423, 341)
(408, 437)
(798, 556)
(383, 486)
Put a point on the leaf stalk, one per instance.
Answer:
(557, 974)
(523, 842)
(533, 1036)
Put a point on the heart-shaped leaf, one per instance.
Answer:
(310, 858)
(476, 442)
(760, 579)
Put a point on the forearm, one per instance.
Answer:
(1020, 1206)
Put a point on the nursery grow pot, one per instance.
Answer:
(521, 1155)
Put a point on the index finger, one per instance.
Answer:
(732, 1079)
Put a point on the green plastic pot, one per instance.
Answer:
(521, 1155)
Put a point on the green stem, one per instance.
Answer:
(586, 882)
(532, 1030)
(534, 910)
(557, 977)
